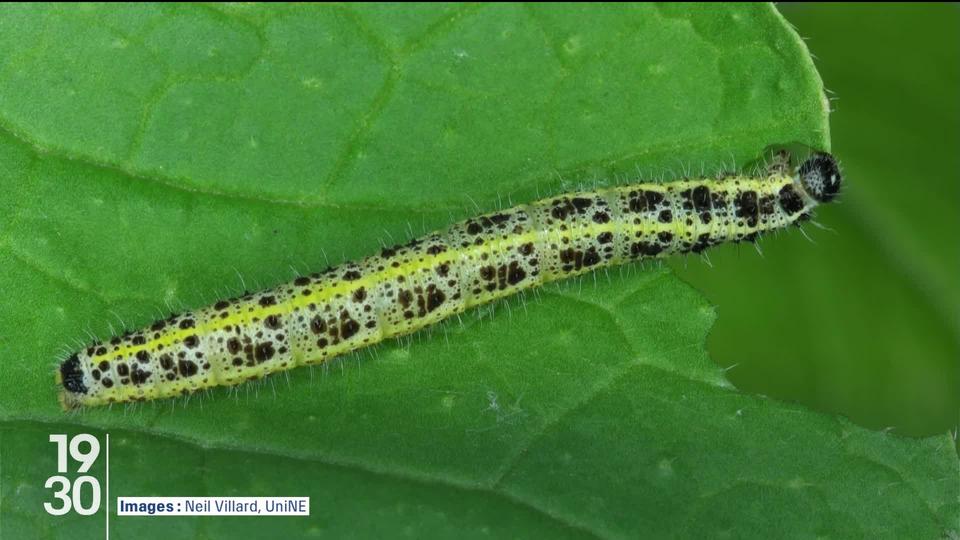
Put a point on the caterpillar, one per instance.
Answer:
(407, 287)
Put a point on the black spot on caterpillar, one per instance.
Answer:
(408, 287)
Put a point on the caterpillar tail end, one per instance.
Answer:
(70, 381)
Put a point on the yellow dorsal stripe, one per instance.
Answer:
(318, 297)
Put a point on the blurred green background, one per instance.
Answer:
(863, 320)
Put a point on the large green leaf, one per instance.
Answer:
(169, 155)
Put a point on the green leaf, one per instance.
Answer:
(171, 155)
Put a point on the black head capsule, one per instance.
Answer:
(820, 176)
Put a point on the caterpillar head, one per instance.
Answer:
(820, 176)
